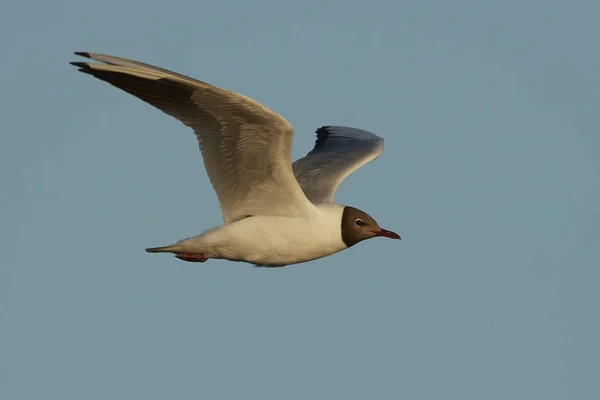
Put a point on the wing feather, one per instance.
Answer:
(338, 152)
(246, 147)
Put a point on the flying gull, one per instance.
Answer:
(275, 213)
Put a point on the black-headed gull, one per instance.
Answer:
(275, 213)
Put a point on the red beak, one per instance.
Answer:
(388, 234)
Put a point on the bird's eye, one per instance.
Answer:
(359, 222)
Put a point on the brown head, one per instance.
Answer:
(357, 226)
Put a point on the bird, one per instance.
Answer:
(275, 213)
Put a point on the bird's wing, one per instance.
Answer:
(246, 147)
(338, 152)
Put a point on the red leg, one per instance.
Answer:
(191, 257)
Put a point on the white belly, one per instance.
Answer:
(276, 241)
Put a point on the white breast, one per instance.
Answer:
(266, 240)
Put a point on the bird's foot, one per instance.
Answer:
(192, 257)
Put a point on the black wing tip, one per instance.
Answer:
(82, 54)
(322, 135)
(323, 129)
(83, 67)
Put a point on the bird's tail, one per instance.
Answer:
(174, 248)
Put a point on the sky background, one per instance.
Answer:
(490, 174)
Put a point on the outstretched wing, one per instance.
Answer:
(338, 152)
(246, 146)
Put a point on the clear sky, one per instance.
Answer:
(490, 174)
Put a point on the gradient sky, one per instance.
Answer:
(490, 174)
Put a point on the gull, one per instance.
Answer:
(275, 213)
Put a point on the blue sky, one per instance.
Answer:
(490, 175)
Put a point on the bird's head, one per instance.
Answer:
(357, 226)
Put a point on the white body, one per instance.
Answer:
(272, 241)
(274, 213)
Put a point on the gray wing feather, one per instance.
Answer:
(246, 147)
(338, 152)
